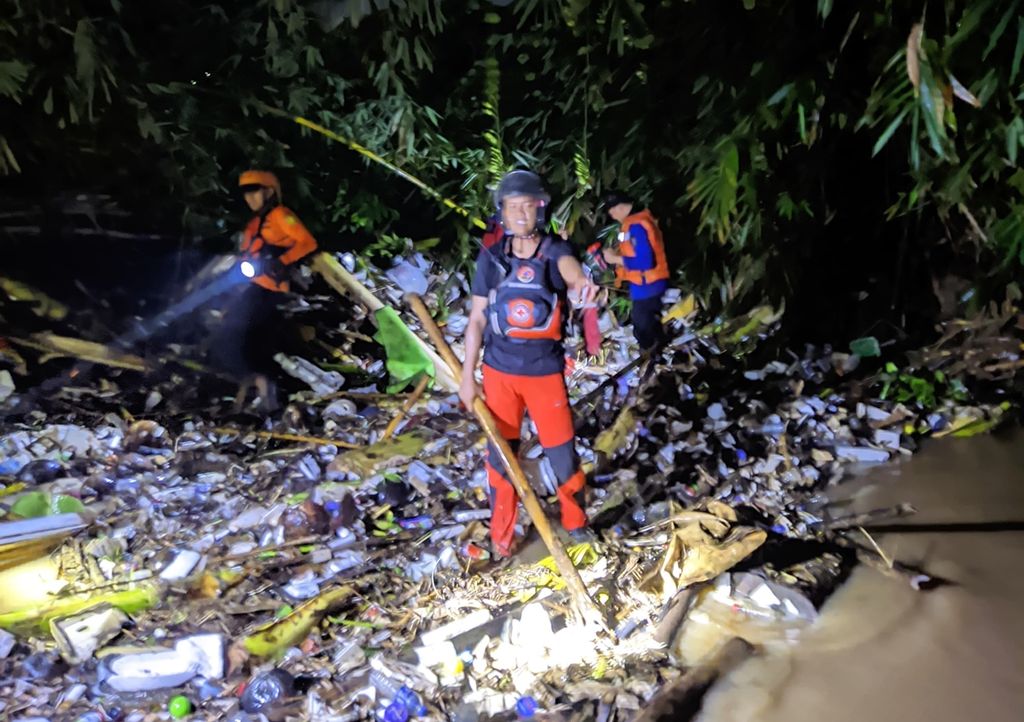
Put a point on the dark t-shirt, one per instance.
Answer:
(535, 357)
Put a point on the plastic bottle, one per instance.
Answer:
(395, 712)
(322, 382)
(464, 515)
(417, 522)
(266, 689)
(411, 700)
(383, 684)
(653, 514)
(469, 550)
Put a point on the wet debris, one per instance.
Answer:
(332, 562)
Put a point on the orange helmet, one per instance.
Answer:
(261, 178)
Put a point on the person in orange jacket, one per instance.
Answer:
(272, 242)
(640, 260)
(519, 306)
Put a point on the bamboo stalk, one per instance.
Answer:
(338, 278)
(584, 604)
(406, 407)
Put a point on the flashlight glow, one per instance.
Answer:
(248, 269)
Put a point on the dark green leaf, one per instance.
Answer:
(888, 132)
(1013, 137)
(1018, 51)
(779, 95)
(1000, 29)
(12, 77)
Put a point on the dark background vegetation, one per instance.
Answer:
(843, 158)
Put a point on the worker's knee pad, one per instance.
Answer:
(563, 461)
(494, 458)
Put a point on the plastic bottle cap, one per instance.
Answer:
(179, 706)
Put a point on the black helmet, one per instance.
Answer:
(613, 198)
(521, 183)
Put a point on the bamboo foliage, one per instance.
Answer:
(720, 113)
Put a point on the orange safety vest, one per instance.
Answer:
(277, 233)
(660, 271)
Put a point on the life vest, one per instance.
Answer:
(524, 306)
(660, 270)
(278, 234)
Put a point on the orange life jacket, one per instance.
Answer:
(279, 234)
(660, 271)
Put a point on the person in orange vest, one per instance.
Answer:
(640, 260)
(521, 291)
(272, 242)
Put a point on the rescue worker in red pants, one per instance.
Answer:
(273, 240)
(518, 311)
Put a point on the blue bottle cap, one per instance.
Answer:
(526, 707)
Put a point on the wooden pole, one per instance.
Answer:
(585, 606)
(338, 278)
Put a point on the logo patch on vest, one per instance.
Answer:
(525, 274)
(520, 313)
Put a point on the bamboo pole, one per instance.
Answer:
(584, 604)
(338, 278)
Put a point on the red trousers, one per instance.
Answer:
(508, 396)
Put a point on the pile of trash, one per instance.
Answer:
(332, 562)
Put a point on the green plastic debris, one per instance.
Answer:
(296, 499)
(866, 347)
(37, 503)
(406, 359)
(968, 425)
(179, 706)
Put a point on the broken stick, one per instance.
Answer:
(406, 407)
(585, 606)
